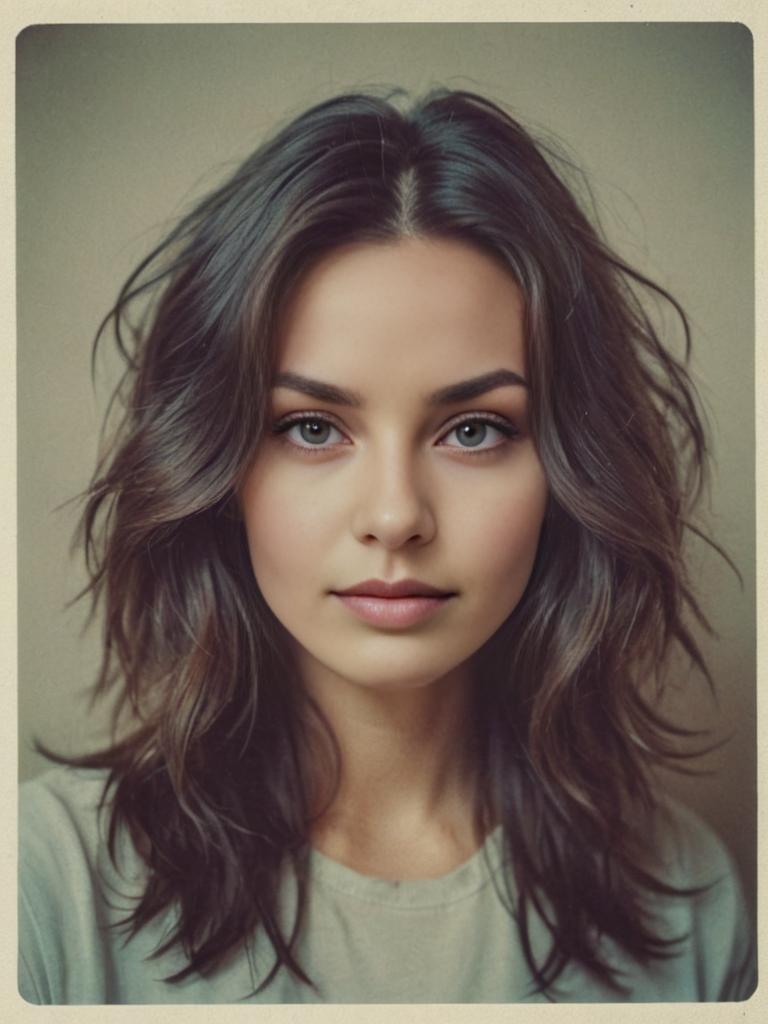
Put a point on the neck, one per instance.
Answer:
(406, 775)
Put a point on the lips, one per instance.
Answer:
(402, 588)
(393, 605)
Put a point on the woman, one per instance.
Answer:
(388, 548)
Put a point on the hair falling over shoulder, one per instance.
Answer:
(212, 780)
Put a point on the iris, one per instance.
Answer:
(471, 434)
(315, 431)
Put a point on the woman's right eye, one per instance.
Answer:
(311, 432)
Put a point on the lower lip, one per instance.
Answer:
(392, 612)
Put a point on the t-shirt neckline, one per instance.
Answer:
(457, 884)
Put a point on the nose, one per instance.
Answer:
(393, 507)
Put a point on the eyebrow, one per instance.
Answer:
(475, 386)
(460, 392)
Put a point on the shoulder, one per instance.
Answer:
(66, 876)
(61, 806)
(71, 793)
(63, 818)
(711, 910)
(689, 851)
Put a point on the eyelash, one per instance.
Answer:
(507, 430)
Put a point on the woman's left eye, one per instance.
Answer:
(478, 434)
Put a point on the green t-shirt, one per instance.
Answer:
(365, 940)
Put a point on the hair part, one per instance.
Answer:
(406, 224)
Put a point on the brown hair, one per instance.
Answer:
(214, 771)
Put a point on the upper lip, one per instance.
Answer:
(401, 588)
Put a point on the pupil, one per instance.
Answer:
(472, 434)
(315, 431)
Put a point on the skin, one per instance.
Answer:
(388, 490)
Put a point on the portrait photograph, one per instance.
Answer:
(386, 513)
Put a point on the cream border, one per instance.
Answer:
(21, 13)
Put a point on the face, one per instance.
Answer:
(399, 454)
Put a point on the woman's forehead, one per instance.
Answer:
(432, 305)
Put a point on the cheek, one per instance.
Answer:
(504, 527)
(277, 524)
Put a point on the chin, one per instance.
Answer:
(401, 682)
(377, 674)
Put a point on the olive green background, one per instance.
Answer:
(121, 127)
